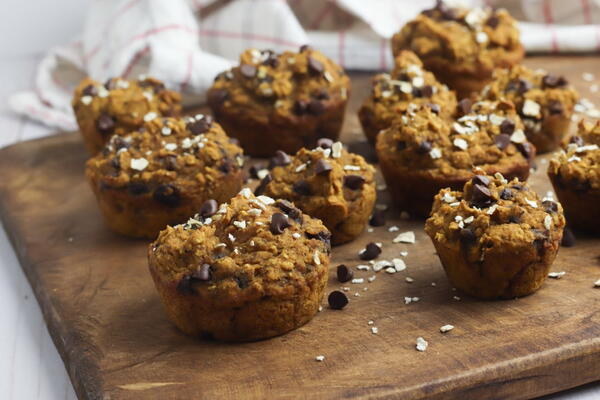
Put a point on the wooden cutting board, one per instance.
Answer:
(109, 327)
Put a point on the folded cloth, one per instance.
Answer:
(186, 43)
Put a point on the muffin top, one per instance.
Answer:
(242, 251)
(409, 83)
(175, 156)
(302, 83)
(119, 105)
(536, 93)
(478, 35)
(492, 211)
(326, 180)
(579, 164)
(489, 135)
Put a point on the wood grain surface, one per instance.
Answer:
(108, 325)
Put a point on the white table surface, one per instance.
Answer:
(30, 367)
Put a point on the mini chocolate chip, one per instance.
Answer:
(337, 300)
(248, 70)
(514, 219)
(170, 163)
(202, 273)
(401, 145)
(208, 208)
(324, 143)
(321, 94)
(323, 236)
(424, 147)
(506, 194)
(300, 107)
(416, 92)
(427, 91)
(304, 47)
(226, 166)
(481, 180)
(354, 182)
(315, 107)
(105, 123)
(371, 252)
(156, 86)
(289, 209)
(493, 21)
(518, 187)
(218, 96)
(280, 159)
(302, 188)
(315, 65)
(200, 126)
(109, 84)
(555, 107)
(502, 141)
(377, 218)
(322, 167)
(568, 239)
(527, 150)
(115, 163)
(507, 126)
(578, 140)
(344, 273)
(138, 188)
(260, 189)
(279, 222)
(553, 81)
(119, 143)
(184, 286)
(467, 237)
(89, 90)
(550, 206)
(435, 108)
(167, 194)
(242, 281)
(464, 106)
(481, 197)
(524, 86)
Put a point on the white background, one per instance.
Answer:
(30, 367)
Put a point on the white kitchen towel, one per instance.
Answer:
(187, 42)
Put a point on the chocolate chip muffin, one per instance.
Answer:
(328, 183)
(462, 47)
(119, 107)
(495, 238)
(422, 153)
(282, 101)
(545, 103)
(392, 93)
(575, 175)
(247, 270)
(163, 173)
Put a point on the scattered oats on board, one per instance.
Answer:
(588, 76)
(456, 298)
(393, 228)
(320, 358)
(374, 330)
(408, 300)
(556, 275)
(408, 279)
(446, 328)
(357, 281)
(370, 322)
(405, 237)
(597, 283)
(421, 344)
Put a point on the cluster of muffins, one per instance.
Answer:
(234, 264)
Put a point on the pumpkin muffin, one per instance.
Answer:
(163, 173)
(575, 175)
(282, 101)
(545, 103)
(392, 93)
(495, 238)
(462, 47)
(328, 183)
(422, 153)
(120, 106)
(247, 270)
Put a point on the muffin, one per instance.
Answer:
(575, 175)
(282, 101)
(163, 173)
(545, 103)
(119, 107)
(392, 93)
(328, 183)
(247, 270)
(462, 47)
(422, 153)
(495, 239)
